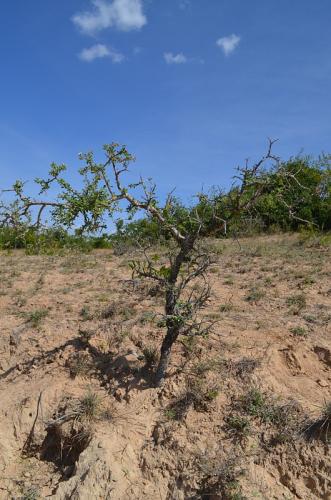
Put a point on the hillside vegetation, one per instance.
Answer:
(299, 199)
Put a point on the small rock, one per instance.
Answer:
(322, 383)
(15, 336)
(119, 394)
(133, 352)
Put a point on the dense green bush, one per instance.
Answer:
(48, 240)
(308, 198)
(298, 192)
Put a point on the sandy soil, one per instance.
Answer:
(79, 417)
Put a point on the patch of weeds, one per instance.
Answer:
(245, 367)
(284, 418)
(109, 311)
(78, 263)
(178, 409)
(171, 414)
(85, 335)
(228, 281)
(310, 318)
(288, 420)
(227, 307)
(308, 280)
(19, 299)
(253, 251)
(146, 317)
(197, 395)
(243, 270)
(190, 345)
(89, 407)
(258, 404)
(254, 403)
(36, 317)
(117, 336)
(79, 364)
(299, 331)
(29, 494)
(255, 294)
(128, 313)
(14, 273)
(85, 313)
(213, 316)
(268, 281)
(220, 478)
(103, 297)
(202, 367)
(118, 309)
(155, 291)
(217, 249)
(320, 428)
(239, 426)
(299, 274)
(296, 303)
(315, 240)
(211, 394)
(40, 282)
(151, 356)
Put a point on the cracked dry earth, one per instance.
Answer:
(238, 415)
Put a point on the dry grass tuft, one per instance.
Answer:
(321, 427)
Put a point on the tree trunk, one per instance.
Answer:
(172, 297)
(167, 344)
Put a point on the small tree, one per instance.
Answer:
(103, 194)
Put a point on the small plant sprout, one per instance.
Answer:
(36, 317)
(85, 313)
(89, 406)
(239, 426)
(298, 331)
(227, 307)
(255, 295)
(296, 303)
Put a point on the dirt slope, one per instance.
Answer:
(80, 419)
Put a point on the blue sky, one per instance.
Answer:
(193, 87)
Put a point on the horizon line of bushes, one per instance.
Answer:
(307, 203)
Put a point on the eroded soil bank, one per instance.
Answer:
(240, 415)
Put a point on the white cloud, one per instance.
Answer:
(116, 56)
(228, 43)
(171, 58)
(184, 4)
(99, 51)
(125, 15)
